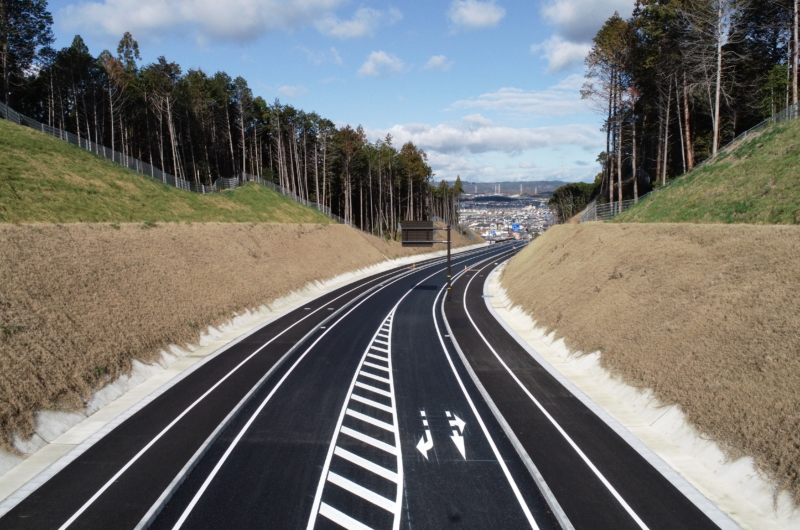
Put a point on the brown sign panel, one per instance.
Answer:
(417, 233)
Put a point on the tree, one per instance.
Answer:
(24, 32)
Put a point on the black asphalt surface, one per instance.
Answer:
(329, 422)
(587, 502)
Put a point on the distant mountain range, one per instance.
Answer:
(535, 186)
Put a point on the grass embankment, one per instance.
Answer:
(707, 316)
(757, 181)
(80, 301)
(46, 180)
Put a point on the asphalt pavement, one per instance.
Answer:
(357, 410)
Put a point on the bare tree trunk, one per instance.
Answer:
(718, 88)
(680, 126)
(666, 138)
(795, 57)
(687, 130)
(633, 160)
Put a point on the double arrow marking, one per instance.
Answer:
(458, 425)
(426, 441)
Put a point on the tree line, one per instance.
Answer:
(202, 127)
(681, 78)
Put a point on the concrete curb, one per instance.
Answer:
(732, 493)
(63, 436)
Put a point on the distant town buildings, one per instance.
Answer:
(500, 217)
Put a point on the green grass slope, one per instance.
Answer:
(757, 181)
(46, 180)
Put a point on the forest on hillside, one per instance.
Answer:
(200, 126)
(679, 79)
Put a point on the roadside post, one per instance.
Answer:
(420, 234)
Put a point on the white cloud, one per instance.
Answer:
(558, 100)
(232, 20)
(363, 24)
(381, 64)
(477, 134)
(472, 14)
(576, 23)
(319, 57)
(561, 55)
(579, 20)
(438, 63)
(526, 165)
(292, 92)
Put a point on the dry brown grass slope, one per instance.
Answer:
(707, 316)
(80, 301)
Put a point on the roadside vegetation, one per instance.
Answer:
(756, 182)
(704, 315)
(46, 180)
(80, 301)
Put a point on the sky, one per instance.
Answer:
(490, 89)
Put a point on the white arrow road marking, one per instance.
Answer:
(458, 430)
(459, 441)
(426, 442)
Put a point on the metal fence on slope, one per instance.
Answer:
(149, 170)
(604, 212)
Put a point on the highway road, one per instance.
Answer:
(378, 405)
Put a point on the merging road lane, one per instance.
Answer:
(368, 407)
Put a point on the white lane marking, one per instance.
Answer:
(315, 510)
(166, 429)
(366, 464)
(263, 404)
(345, 521)
(382, 342)
(552, 420)
(356, 489)
(425, 443)
(382, 392)
(496, 452)
(384, 359)
(373, 365)
(374, 404)
(379, 349)
(372, 421)
(392, 450)
(458, 422)
(375, 377)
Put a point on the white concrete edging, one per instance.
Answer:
(60, 437)
(735, 488)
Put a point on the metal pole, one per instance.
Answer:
(449, 274)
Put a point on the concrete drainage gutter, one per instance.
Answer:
(735, 488)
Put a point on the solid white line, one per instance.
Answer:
(166, 429)
(359, 384)
(496, 452)
(366, 464)
(373, 365)
(369, 440)
(375, 377)
(364, 493)
(345, 521)
(374, 404)
(553, 421)
(315, 509)
(372, 421)
(263, 404)
(384, 359)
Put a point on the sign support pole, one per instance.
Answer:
(449, 272)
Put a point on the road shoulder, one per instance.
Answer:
(733, 487)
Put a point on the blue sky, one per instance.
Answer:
(490, 89)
